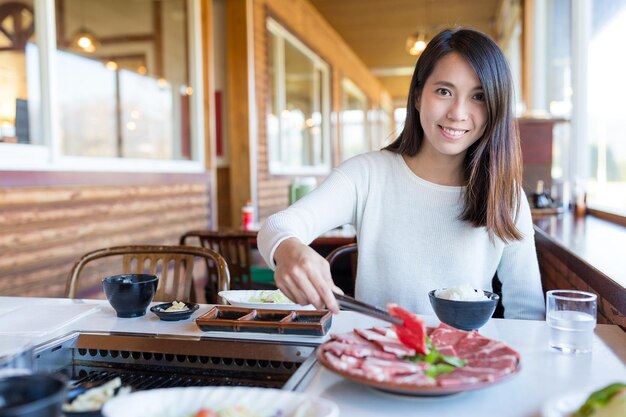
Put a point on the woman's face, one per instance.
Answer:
(452, 108)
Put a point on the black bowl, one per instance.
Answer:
(159, 310)
(464, 315)
(31, 396)
(130, 294)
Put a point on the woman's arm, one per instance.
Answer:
(300, 272)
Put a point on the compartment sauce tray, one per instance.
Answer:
(240, 319)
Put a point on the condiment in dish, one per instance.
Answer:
(174, 312)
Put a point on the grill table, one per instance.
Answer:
(544, 374)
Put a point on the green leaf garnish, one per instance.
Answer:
(439, 364)
(454, 361)
(439, 369)
(599, 399)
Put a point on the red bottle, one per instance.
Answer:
(247, 216)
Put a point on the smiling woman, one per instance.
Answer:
(440, 206)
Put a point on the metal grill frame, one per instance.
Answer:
(147, 361)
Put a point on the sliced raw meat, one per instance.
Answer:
(476, 346)
(447, 351)
(377, 354)
(385, 331)
(358, 350)
(446, 336)
(458, 378)
(412, 333)
(351, 338)
(336, 361)
(504, 363)
(414, 379)
(383, 370)
(345, 363)
(386, 343)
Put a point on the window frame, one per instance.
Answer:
(580, 150)
(47, 156)
(283, 35)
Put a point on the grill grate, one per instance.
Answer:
(144, 380)
(164, 362)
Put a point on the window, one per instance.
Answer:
(379, 127)
(354, 126)
(109, 85)
(606, 145)
(298, 115)
(581, 65)
(19, 79)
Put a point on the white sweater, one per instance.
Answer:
(410, 237)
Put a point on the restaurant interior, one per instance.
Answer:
(158, 129)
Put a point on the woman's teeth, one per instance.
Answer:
(453, 132)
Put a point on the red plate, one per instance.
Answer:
(415, 389)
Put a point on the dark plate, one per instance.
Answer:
(173, 315)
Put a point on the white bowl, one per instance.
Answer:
(182, 402)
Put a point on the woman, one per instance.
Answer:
(439, 207)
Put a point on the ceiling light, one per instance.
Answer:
(416, 43)
(85, 41)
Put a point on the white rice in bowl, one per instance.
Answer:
(463, 292)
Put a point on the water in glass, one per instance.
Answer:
(571, 331)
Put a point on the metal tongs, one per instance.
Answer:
(352, 304)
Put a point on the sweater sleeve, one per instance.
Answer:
(519, 273)
(330, 205)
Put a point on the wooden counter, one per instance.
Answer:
(585, 253)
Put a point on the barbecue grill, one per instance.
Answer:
(160, 361)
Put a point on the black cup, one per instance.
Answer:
(31, 396)
(130, 294)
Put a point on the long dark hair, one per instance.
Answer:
(493, 168)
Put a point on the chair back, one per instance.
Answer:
(339, 255)
(352, 248)
(173, 264)
(234, 246)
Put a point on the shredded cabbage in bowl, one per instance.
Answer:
(270, 296)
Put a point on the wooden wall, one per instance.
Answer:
(45, 227)
(560, 269)
(304, 22)
(536, 138)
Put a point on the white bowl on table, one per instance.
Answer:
(181, 402)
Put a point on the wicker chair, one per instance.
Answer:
(234, 246)
(174, 265)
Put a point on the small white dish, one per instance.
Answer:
(181, 402)
(242, 298)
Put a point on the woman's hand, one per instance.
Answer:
(304, 276)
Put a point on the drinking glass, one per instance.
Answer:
(571, 316)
